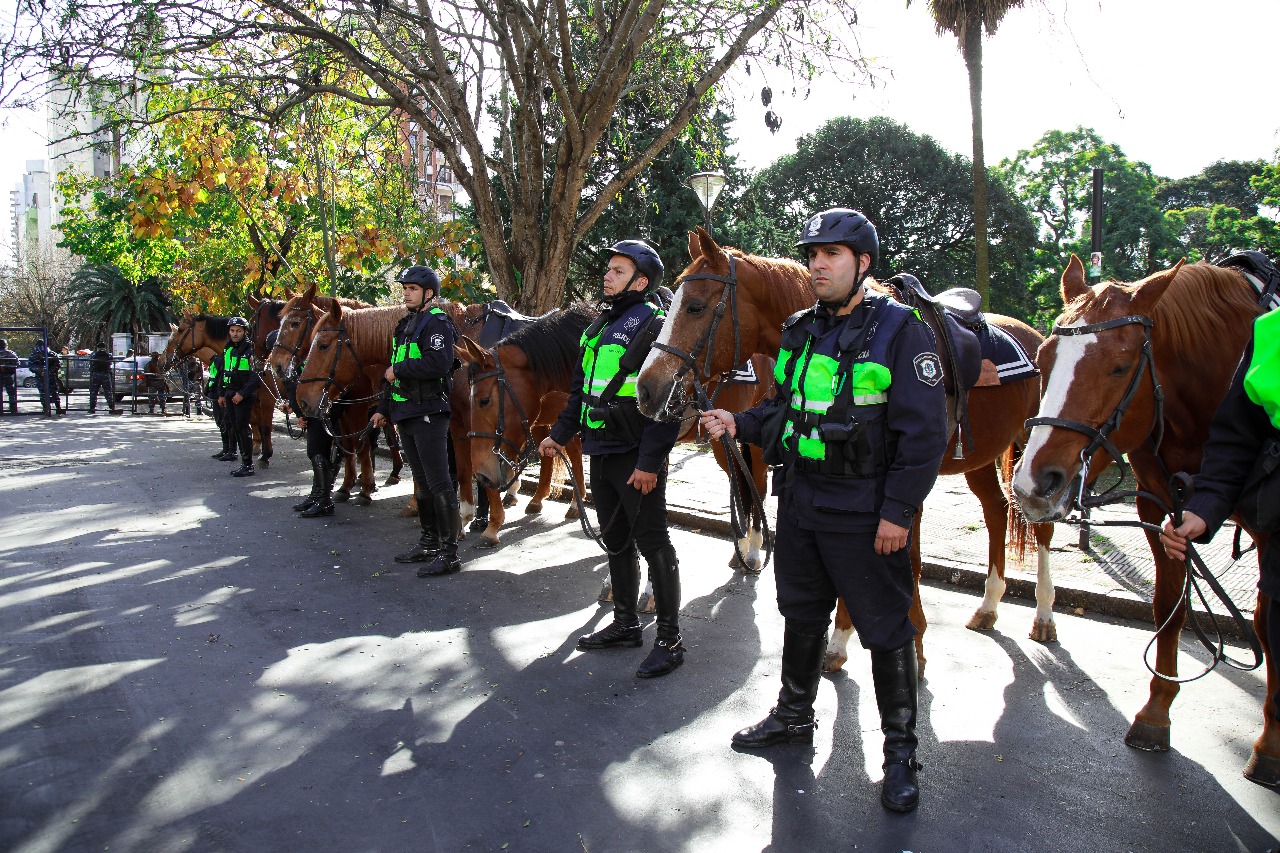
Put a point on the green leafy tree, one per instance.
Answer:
(1218, 210)
(108, 301)
(918, 195)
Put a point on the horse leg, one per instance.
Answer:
(722, 459)
(1151, 725)
(575, 470)
(497, 515)
(755, 533)
(646, 602)
(545, 468)
(348, 475)
(985, 485)
(1264, 763)
(393, 445)
(917, 609)
(264, 412)
(364, 451)
(466, 487)
(838, 645)
(1043, 630)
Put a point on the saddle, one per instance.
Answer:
(955, 316)
(500, 320)
(1260, 272)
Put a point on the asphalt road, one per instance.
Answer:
(184, 666)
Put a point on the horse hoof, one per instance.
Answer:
(606, 593)
(735, 562)
(571, 513)
(408, 512)
(509, 501)
(533, 509)
(754, 566)
(341, 496)
(391, 481)
(264, 463)
(487, 541)
(1044, 631)
(646, 604)
(1263, 769)
(1147, 737)
(362, 500)
(832, 662)
(982, 620)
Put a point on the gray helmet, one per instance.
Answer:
(644, 256)
(424, 277)
(845, 226)
(238, 321)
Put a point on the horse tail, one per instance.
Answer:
(560, 477)
(1021, 532)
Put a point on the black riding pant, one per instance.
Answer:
(237, 417)
(812, 568)
(9, 386)
(617, 504)
(318, 439)
(99, 381)
(424, 442)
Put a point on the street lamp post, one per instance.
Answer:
(707, 186)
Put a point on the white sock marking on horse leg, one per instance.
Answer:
(468, 512)
(1069, 354)
(838, 646)
(995, 588)
(1044, 586)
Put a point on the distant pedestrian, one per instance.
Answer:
(100, 379)
(37, 360)
(8, 377)
(53, 376)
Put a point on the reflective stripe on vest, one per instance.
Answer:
(405, 351)
(1262, 379)
(600, 364)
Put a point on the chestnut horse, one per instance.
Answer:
(763, 292)
(195, 332)
(1185, 329)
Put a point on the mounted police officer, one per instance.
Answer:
(238, 390)
(416, 400)
(859, 426)
(628, 456)
(8, 377)
(100, 379)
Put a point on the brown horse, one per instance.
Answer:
(763, 293)
(1184, 328)
(195, 332)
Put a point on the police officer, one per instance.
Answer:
(859, 425)
(1246, 424)
(37, 361)
(238, 391)
(100, 379)
(416, 399)
(628, 456)
(53, 374)
(319, 502)
(8, 377)
(212, 392)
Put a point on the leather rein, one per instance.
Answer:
(523, 454)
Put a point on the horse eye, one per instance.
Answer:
(1119, 370)
(322, 346)
(696, 308)
(484, 401)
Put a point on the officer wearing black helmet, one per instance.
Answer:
(859, 426)
(628, 455)
(416, 400)
(238, 390)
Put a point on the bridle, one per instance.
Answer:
(327, 402)
(523, 454)
(294, 351)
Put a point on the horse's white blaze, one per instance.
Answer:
(664, 337)
(1044, 586)
(1070, 353)
(995, 587)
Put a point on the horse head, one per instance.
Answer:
(331, 364)
(1098, 390)
(502, 400)
(297, 324)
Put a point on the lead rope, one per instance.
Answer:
(598, 538)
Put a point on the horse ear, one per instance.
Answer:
(711, 249)
(1073, 281)
(254, 302)
(695, 246)
(335, 311)
(1148, 292)
(470, 351)
(309, 295)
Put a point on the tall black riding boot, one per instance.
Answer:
(624, 630)
(668, 650)
(317, 487)
(446, 560)
(324, 502)
(792, 719)
(896, 678)
(429, 541)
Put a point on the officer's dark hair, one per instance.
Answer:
(644, 256)
(100, 345)
(424, 277)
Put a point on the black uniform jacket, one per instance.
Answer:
(435, 335)
(656, 439)
(1239, 429)
(242, 382)
(100, 362)
(916, 415)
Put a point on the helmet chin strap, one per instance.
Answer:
(837, 307)
(625, 290)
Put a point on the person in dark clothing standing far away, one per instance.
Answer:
(57, 388)
(237, 391)
(1244, 429)
(8, 377)
(416, 399)
(37, 362)
(100, 379)
(628, 456)
(863, 426)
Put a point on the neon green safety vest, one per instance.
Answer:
(1262, 379)
(231, 363)
(600, 364)
(408, 350)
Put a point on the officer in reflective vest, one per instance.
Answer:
(416, 400)
(212, 391)
(1246, 424)
(859, 425)
(628, 456)
(238, 391)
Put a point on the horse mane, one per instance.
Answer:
(371, 329)
(215, 325)
(551, 343)
(785, 281)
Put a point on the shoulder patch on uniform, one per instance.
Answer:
(928, 368)
(436, 342)
(631, 324)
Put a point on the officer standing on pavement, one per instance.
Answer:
(100, 378)
(37, 362)
(212, 391)
(238, 391)
(860, 433)
(8, 377)
(319, 502)
(628, 456)
(416, 399)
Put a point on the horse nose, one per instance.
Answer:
(1050, 482)
(643, 396)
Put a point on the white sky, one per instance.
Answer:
(1174, 83)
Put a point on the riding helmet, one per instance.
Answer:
(238, 321)
(845, 226)
(424, 277)
(644, 256)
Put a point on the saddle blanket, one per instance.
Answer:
(1003, 358)
(745, 375)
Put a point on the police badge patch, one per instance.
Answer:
(631, 324)
(928, 368)
(436, 342)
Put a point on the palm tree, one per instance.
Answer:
(107, 300)
(966, 19)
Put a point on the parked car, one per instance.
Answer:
(131, 379)
(26, 378)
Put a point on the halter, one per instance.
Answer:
(688, 360)
(294, 350)
(1100, 437)
(525, 453)
(326, 402)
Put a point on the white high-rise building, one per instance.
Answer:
(32, 206)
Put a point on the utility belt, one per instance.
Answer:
(859, 449)
(622, 420)
(419, 391)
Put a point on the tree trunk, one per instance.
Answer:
(972, 49)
